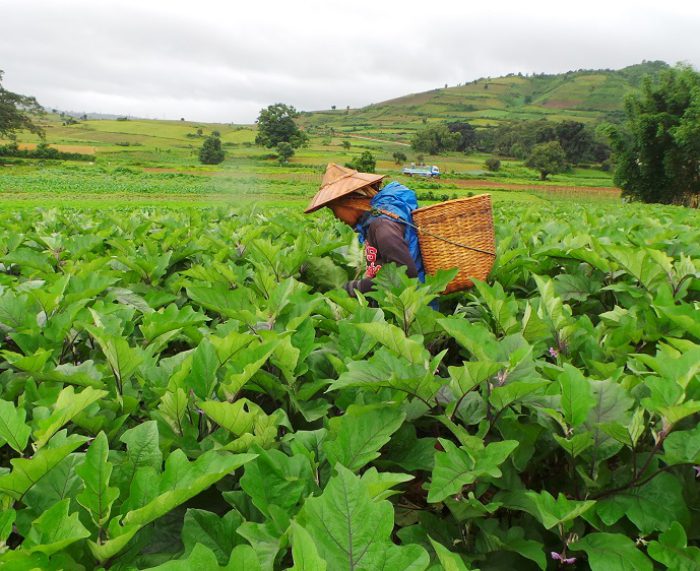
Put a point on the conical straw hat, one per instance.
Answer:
(339, 181)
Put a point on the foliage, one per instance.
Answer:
(285, 151)
(548, 158)
(42, 151)
(211, 152)
(436, 139)
(493, 164)
(175, 394)
(468, 137)
(399, 157)
(657, 149)
(364, 163)
(276, 125)
(518, 138)
(17, 112)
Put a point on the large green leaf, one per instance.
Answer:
(55, 530)
(450, 561)
(217, 533)
(474, 337)
(28, 471)
(576, 444)
(612, 404)
(683, 447)
(549, 511)
(143, 449)
(380, 484)
(169, 319)
(394, 339)
(247, 363)
(652, 507)
(13, 429)
(673, 365)
(502, 307)
(68, 405)
(457, 467)
(349, 529)
(304, 552)
(7, 520)
(504, 396)
(204, 365)
(237, 417)
(274, 478)
(354, 439)
(576, 395)
(97, 496)
(122, 358)
(180, 481)
(472, 373)
(385, 369)
(672, 550)
(612, 552)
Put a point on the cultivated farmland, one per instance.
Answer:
(185, 384)
(186, 388)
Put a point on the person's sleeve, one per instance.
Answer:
(363, 286)
(387, 237)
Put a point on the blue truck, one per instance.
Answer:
(430, 172)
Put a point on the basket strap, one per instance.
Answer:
(377, 211)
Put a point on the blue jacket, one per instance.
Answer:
(402, 201)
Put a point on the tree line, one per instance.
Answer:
(515, 139)
(655, 148)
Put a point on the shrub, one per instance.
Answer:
(364, 163)
(493, 164)
(211, 152)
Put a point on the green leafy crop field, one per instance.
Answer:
(187, 388)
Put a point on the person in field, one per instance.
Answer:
(381, 217)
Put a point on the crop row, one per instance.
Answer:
(190, 388)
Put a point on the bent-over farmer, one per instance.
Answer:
(381, 216)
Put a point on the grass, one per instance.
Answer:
(157, 162)
(587, 96)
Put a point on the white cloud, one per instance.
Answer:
(223, 61)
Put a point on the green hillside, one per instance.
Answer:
(584, 95)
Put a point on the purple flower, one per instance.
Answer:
(553, 353)
(563, 558)
(697, 471)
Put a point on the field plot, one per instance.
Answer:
(188, 388)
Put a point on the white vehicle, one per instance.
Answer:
(430, 172)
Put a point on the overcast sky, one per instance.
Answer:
(222, 61)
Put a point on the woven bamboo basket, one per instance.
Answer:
(448, 231)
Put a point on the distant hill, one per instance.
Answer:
(582, 95)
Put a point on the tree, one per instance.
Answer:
(435, 139)
(467, 134)
(285, 151)
(364, 163)
(276, 125)
(17, 112)
(548, 158)
(346, 145)
(211, 152)
(399, 157)
(657, 149)
(493, 164)
(575, 139)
